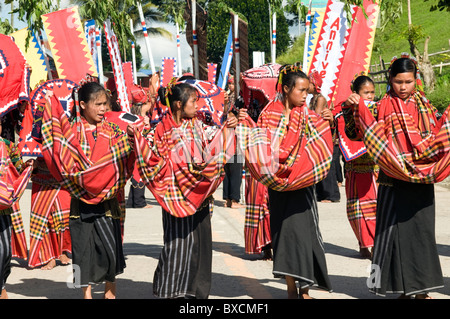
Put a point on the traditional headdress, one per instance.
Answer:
(357, 75)
(169, 87)
(230, 78)
(285, 69)
(316, 79)
(139, 94)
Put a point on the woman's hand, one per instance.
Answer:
(242, 115)
(30, 162)
(130, 130)
(232, 121)
(353, 99)
(327, 115)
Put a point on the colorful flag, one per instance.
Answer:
(168, 70)
(116, 63)
(212, 72)
(91, 38)
(359, 48)
(14, 76)
(331, 46)
(315, 27)
(68, 44)
(226, 61)
(34, 56)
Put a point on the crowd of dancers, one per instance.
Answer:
(289, 149)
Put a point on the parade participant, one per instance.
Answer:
(231, 187)
(258, 88)
(361, 176)
(278, 154)
(14, 178)
(142, 104)
(92, 159)
(327, 190)
(182, 166)
(49, 220)
(410, 145)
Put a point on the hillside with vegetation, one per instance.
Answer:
(391, 42)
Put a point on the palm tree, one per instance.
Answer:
(173, 12)
(120, 12)
(30, 11)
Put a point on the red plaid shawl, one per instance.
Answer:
(287, 157)
(91, 170)
(12, 184)
(183, 167)
(413, 147)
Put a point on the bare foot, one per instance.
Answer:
(87, 292)
(235, 204)
(50, 265)
(304, 293)
(110, 290)
(325, 201)
(3, 294)
(423, 296)
(64, 259)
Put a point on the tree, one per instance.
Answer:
(120, 12)
(30, 11)
(297, 8)
(414, 33)
(259, 35)
(173, 12)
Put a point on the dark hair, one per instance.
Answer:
(290, 76)
(86, 93)
(179, 92)
(360, 81)
(402, 65)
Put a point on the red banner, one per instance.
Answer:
(68, 44)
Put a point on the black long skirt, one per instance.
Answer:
(405, 259)
(185, 263)
(5, 249)
(97, 251)
(328, 189)
(296, 240)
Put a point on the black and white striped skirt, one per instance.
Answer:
(405, 259)
(5, 249)
(185, 263)
(97, 251)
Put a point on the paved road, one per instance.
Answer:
(235, 274)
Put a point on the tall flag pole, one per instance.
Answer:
(237, 52)
(133, 54)
(195, 39)
(274, 36)
(307, 27)
(147, 40)
(180, 69)
(226, 61)
(116, 63)
(98, 41)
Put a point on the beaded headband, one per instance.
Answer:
(357, 75)
(285, 70)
